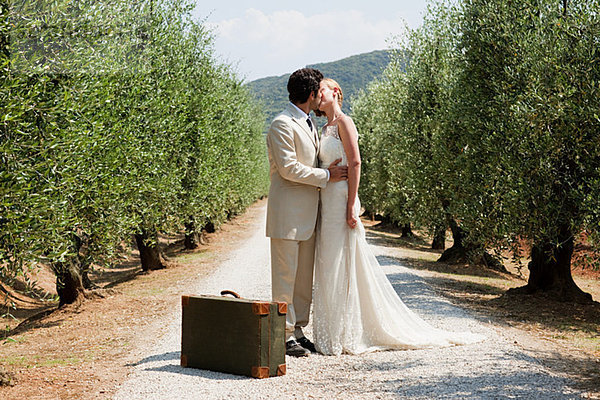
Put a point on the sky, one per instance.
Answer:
(268, 37)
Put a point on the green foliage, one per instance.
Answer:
(116, 117)
(383, 189)
(408, 147)
(494, 123)
(530, 118)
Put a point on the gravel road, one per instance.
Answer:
(493, 369)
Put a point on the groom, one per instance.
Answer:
(293, 203)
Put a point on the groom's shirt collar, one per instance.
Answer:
(299, 110)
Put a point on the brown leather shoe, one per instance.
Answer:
(293, 348)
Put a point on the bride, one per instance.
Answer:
(356, 309)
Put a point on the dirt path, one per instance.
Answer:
(496, 368)
(126, 345)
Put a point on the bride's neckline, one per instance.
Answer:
(333, 121)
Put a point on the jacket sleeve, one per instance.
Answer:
(280, 140)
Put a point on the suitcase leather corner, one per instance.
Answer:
(260, 372)
(282, 307)
(260, 308)
(281, 370)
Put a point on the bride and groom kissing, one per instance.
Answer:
(316, 234)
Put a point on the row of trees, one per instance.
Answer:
(493, 131)
(117, 120)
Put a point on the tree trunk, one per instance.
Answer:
(439, 239)
(69, 285)
(458, 252)
(150, 255)
(82, 243)
(84, 269)
(407, 231)
(370, 214)
(550, 271)
(462, 252)
(192, 237)
(209, 227)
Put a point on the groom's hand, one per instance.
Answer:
(336, 173)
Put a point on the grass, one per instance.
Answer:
(18, 339)
(192, 257)
(37, 362)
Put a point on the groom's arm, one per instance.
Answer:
(282, 149)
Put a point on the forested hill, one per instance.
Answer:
(352, 73)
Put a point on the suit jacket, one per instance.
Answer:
(295, 179)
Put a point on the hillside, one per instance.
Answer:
(353, 73)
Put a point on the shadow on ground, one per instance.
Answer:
(540, 315)
(176, 368)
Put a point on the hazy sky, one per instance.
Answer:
(269, 37)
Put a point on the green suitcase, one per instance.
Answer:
(233, 335)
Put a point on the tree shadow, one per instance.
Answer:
(35, 321)
(485, 385)
(546, 312)
(419, 296)
(38, 311)
(510, 374)
(120, 278)
(484, 301)
(24, 292)
(175, 246)
(441, 267)
(374, 366)
(385, 238)
(118, 273)
(584, 371)
(538, 308)
(450, 382)
(170, 244)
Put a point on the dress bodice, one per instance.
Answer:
(331, 147)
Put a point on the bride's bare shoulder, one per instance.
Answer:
(345, 123)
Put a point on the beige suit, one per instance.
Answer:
(292, 213)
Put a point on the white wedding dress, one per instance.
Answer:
(356, 309)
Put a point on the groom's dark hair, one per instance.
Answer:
(302, 83)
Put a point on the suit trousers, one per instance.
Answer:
(292, 266)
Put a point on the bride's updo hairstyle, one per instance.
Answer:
(331, 84)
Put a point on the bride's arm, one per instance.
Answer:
(349, 136)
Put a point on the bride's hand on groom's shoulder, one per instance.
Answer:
(337, 173)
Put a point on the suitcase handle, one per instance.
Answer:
(231, 292)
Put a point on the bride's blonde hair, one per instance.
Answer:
(331, 84)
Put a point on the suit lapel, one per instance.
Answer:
(301, 122)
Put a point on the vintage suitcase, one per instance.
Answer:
(233, 335)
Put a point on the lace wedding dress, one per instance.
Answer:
(356, 309)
